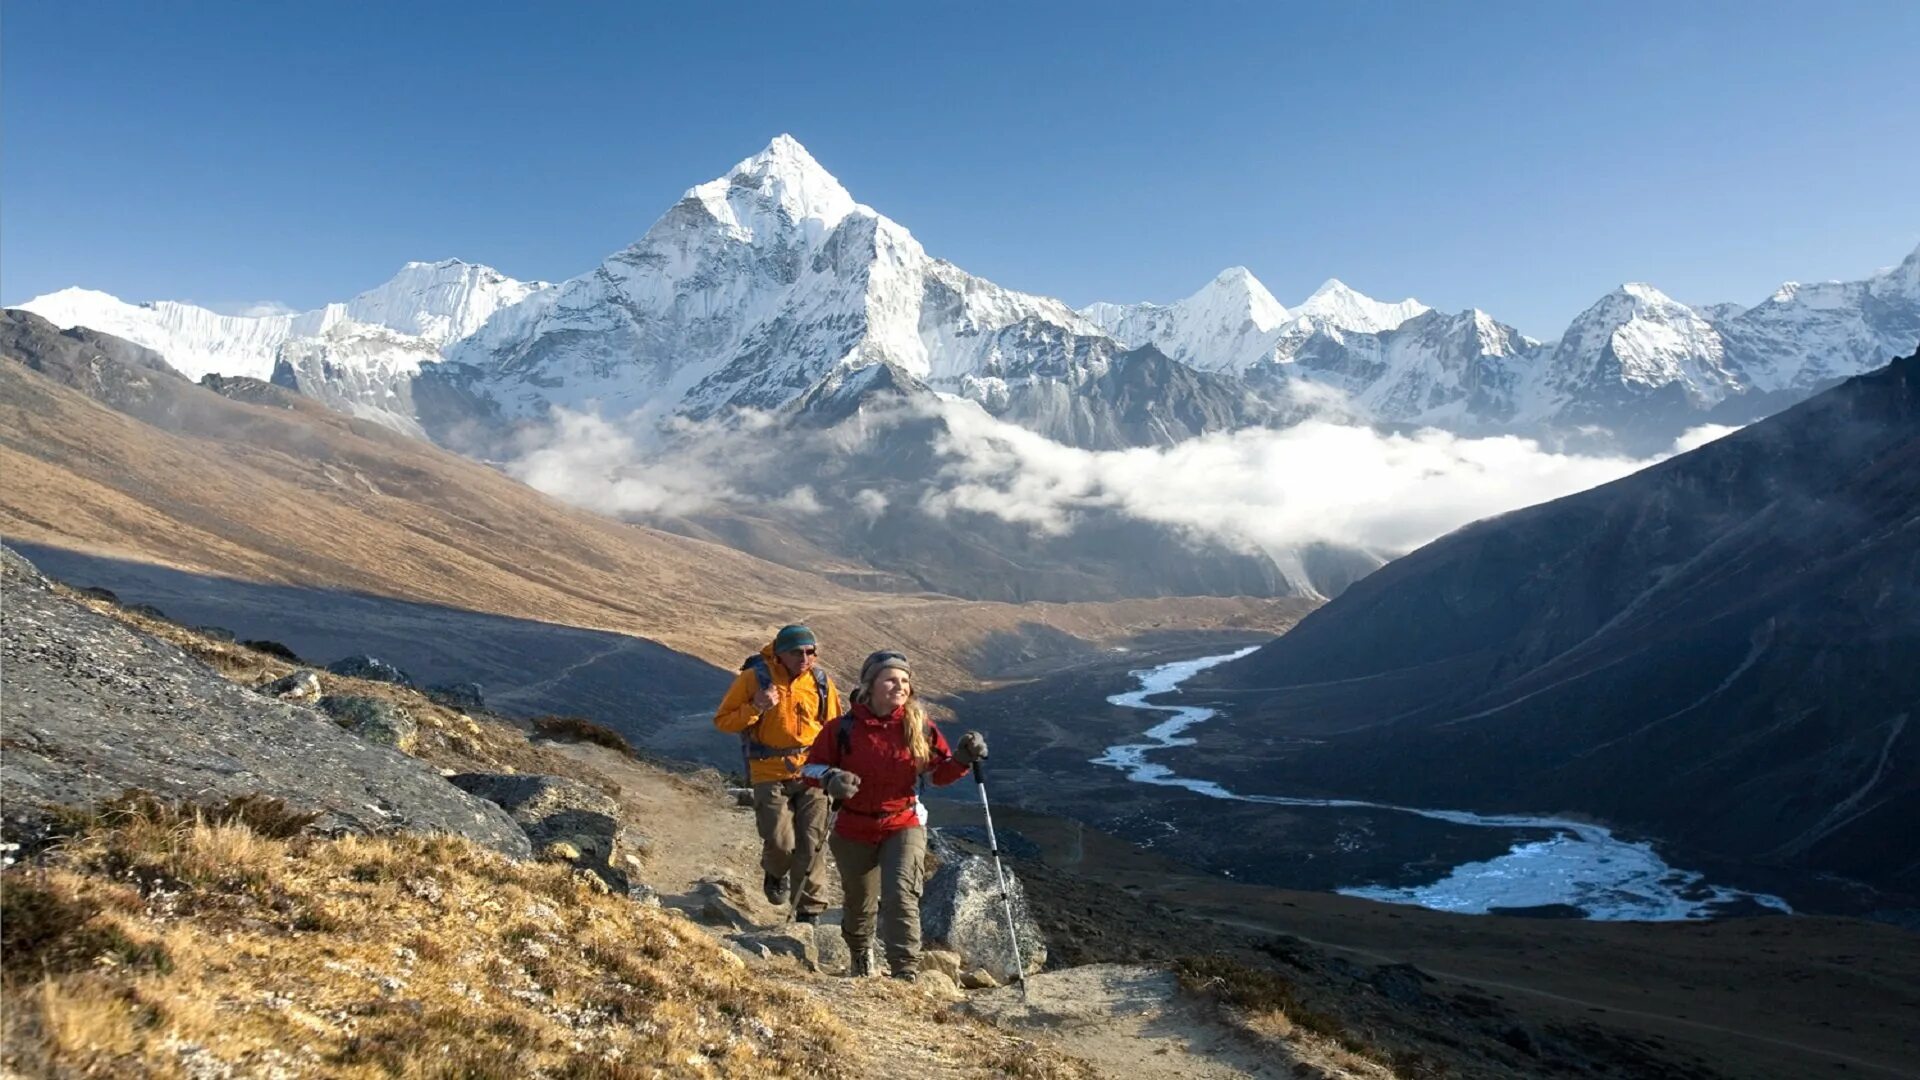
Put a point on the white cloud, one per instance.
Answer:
(1321, 481)
(1696, 437)
(1273, 489)
(589, 462)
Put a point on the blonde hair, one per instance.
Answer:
(919, 742)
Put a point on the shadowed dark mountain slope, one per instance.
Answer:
(1723, 649)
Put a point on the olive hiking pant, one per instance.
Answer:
(792, 818)
(885, 877)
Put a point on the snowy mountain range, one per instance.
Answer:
(758, 286)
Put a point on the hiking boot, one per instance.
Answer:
(861, 965)
(775, 888)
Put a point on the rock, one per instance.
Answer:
(302, 685)
(95, 707)
(832, 949)
(742, 796)
(643, 894)
(380, 722)
(962, 910)
(148, 610)
(273, 648)
(941, 960)
(720, 902)
(794, 940)
(216, 633)
(12, 562)
(978, 979)
(372, 668)
(560, 851)
(937, 984)
(555, 810)
(465, 696)
(97, 593)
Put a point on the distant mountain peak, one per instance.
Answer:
(1340, 304)
(1235, 291)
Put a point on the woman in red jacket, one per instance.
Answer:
(870, 762)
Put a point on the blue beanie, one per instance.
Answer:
(793, 637)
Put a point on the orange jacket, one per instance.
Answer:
(789, 726)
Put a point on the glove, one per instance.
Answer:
(842, 785)
(972, 748)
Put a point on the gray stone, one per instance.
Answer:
(978, 979)
(372, 668)
(719, 901)
(832, 949)
(217, 633)
(94, 707)
(13, 563)
(941, 960)
(556, 810)
(302, 685)
(464, 696)
(963, 911)
(794, 940)
(742, 796)
(377, 721)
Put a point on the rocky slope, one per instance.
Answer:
(1717, 649)
(93, 708)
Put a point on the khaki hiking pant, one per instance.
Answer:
(884, 876)
(792, 818)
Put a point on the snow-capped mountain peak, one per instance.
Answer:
(441, 301)
(1227, 325)
(782, 180)
(1341, 305)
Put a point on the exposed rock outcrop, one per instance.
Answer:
(554, 811)
(380, 722)
(372, 668)
(93, 708)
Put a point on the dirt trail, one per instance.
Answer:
(1100, 1020)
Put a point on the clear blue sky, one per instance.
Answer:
(1523, 158)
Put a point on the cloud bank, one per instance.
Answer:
(1274, 490)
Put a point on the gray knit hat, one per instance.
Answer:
(881, 661)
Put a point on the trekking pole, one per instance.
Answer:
(1006, 896)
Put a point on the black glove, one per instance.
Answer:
(972, 748)
(841, 785)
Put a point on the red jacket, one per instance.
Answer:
(877, 754)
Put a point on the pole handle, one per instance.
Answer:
(980, 773)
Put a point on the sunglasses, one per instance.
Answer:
(806, 651)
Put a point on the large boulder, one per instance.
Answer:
(373, 719)
(962, 910)
(554, 811)
(93, 707)
(463, 696)
(371, 668)
(302, 686)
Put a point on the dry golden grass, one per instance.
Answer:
(152, 946)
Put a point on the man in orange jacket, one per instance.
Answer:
(777, 705)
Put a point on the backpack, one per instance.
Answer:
(752, 749)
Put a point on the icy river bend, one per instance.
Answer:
(1553, 861)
